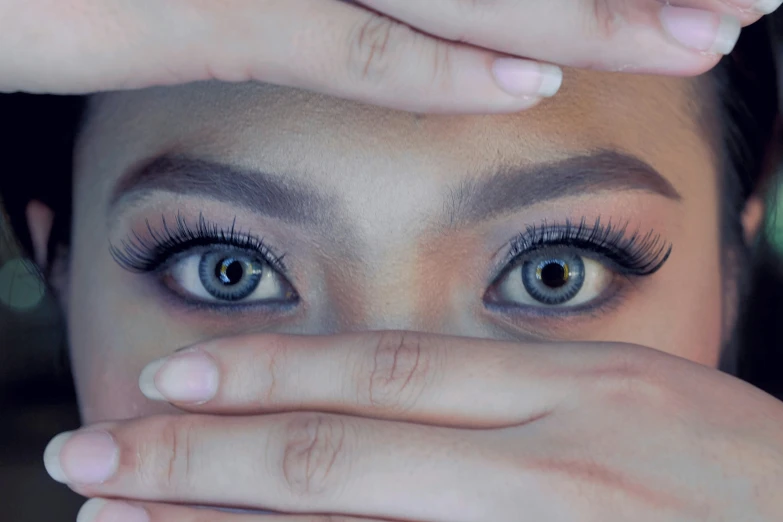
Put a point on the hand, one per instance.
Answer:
(432, 428)
(454, 56)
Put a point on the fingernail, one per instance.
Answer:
(187, 377)
(701, 30)
(99, 510)
(82, 457)
(766, 7)
(526, 78)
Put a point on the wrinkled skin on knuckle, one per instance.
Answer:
(376, 48)
(162, 461)
(398, 369)
(315, 454)
(263, 360)
(634, 378)
(605, 18)
(267, 361)
(442, 80)
(607, 36)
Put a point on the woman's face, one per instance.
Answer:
(210, 210)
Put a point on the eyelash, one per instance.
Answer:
(630, 255)
(138, 254)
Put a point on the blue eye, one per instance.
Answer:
(208, 263)
(574, 264)
(553, 280)
(230, 277)
(221, 273)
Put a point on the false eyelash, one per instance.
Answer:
(636, 254)
(139, 254)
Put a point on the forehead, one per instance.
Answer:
(296, 133)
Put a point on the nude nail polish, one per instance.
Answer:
(701, 30)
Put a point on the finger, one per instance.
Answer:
(617, 35)
(748, 11)
(294, 463)
(100, 510)
(323, 45)
(394, 375)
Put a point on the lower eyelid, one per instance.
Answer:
(175, 299)
(617, 290)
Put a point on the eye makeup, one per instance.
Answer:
(150, 254)
(549, 255)
(551, 259)
(634, 253)
(206, 267)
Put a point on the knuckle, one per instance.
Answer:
(607, 17)
(375, 48)
(401, 369)
(164, 462)
(630, 377)
(314, 454)
(265, 358)
(442, 66)
(269, 362)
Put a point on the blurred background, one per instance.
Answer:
(36, 394)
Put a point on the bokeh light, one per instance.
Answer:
(21, 286)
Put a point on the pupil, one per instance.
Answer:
(229, 271)
(554, 275)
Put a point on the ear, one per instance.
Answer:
(40, 220)
(752, 218)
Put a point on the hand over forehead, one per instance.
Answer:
(445, 55)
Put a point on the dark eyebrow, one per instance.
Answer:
(472, 200)
(270, 195)
(513, 188)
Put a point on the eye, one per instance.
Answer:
(228, 274)
(553, 278)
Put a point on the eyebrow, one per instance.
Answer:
(509, 189)
(500, 192)
(271, 195)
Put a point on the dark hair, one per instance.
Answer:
(746, 92)
(743, 88)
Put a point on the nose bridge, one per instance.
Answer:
(407, 263)
(411, 281)
(392, 208)
(382, 294)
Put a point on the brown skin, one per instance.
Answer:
(386, 260)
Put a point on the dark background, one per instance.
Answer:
(36, 394)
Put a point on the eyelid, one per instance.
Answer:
(555, 249)
(140, 254)
(629, 254)
(593, 309)
(189, 251)
(179, 300)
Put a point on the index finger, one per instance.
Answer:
(329, 46)
(615, 35)
(392, 375)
